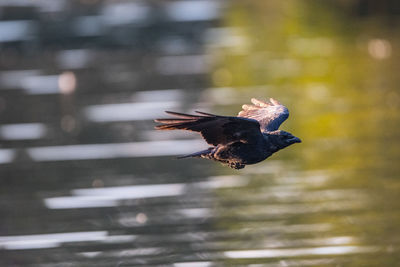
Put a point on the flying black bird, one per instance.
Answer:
(249, 138)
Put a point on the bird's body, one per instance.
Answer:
(247, 139)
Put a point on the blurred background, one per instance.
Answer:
(86, 181)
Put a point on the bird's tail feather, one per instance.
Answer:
(183, 121)
(198, 154)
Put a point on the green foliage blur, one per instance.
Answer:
(334, 69)
(335, 65)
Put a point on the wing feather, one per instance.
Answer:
(270, 114)
(214, 129)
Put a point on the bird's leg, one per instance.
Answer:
(210, 154)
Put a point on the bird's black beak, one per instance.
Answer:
(295, 140)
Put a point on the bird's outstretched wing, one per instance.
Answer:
(214, 129)
(270, 115)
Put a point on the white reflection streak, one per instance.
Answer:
(119, 150)
(31, 81)
(192, 10)
(128, 111)
(6, 155)
(23, 131)
(17, 30)
(75, 202)
(328, 241)
(194, 264)
(135, 191)
(277, 253)
(43, 84)
(282, 209)
(158, 95)
(123, 253)
(337, 240)
(223, 181)
(120, 13)
(109, 197)
(196, 213)
(48, 240)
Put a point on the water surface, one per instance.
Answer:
(86, 181)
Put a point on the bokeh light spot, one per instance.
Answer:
(67, 82)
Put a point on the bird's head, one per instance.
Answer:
(282, 139)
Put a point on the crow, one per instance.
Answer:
(249, 138)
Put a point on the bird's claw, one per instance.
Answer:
(236, 165)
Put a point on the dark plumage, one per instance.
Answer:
(249, 138)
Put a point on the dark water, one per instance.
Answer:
(86, 181)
